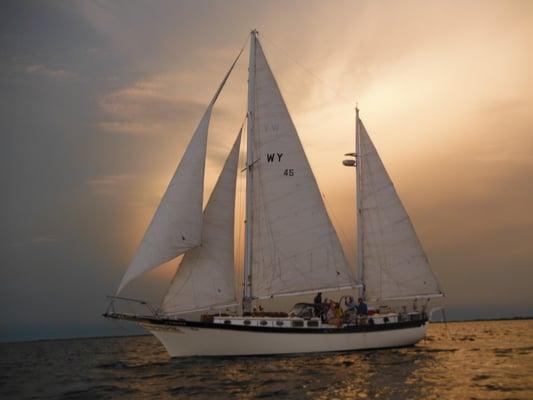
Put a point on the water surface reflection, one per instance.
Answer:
(482, 360)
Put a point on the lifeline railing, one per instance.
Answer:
(111, 308)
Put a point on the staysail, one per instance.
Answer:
(177, 223)
(295, 248)
(394, 263)
(205, 277)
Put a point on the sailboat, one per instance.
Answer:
(291, 247)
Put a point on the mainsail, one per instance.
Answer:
(394, 263)
(177, 224)
(295, 248)
(205, 277)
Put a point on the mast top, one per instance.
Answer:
(254, 32)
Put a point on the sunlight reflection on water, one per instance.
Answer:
(476, 360)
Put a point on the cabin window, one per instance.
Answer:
(279, 323)
(298, 324)
(247, 322)
(312, 323)
(227, 322)
(263, 323)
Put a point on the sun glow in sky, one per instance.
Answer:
(100, 99)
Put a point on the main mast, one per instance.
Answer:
(247, 298)
(359, 205)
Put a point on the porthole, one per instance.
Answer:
(263, 323)
(279, 323)
(247, 322)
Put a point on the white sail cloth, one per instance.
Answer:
(394, 263)
(205, 276)
(294, 245)
(177, 223)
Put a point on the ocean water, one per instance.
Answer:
(467, 360)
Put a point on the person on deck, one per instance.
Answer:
(318, 304)
(350, 304)
(334, 314)
(362, 308)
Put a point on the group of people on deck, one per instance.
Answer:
(331, 312)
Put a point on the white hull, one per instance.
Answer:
(185, 341)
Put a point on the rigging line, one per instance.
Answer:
(338, 223)
(240, 216)
(243, 47)
(308, 71)
(226, 77)
(178, 259)
(242, 126)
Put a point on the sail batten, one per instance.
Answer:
(395, 266)
(295, 248)
(205, 276)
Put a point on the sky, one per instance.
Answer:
(99, 99)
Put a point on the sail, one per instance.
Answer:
(205, 276)
(394, 263)
(177, 223)
(295, 248)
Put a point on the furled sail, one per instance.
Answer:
(205, 277)
(295, 248)
(394, 263)
(177, 223)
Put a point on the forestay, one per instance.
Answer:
(177, 224)
(294, 245)
(394, 263)
(205, 277)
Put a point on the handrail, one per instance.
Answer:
(111, 307)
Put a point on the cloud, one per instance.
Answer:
(158, 104)
(45, 239)
(43, 70)
(147, 107)
(108, 184)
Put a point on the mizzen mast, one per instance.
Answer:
(356, 162)
(359, 206)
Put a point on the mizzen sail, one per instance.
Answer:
(394, 263)
(205, 277)
(295, 248)
(177, 223)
